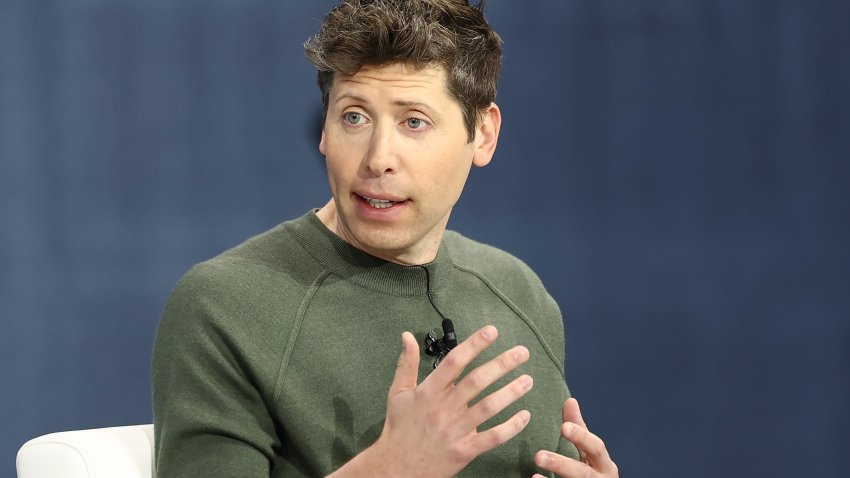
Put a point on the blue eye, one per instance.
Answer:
(416, 123)
(353, 118)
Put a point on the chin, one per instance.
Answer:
(382, 242)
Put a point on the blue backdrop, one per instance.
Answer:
(675, 170)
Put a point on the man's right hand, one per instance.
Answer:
(430, 428)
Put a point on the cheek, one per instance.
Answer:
(447, 181)
(341, 148)
(338, 175)
(335, 157)
(341, 174)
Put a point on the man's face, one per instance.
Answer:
(397, 157)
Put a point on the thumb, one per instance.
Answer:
(407, 370)
(572, 412)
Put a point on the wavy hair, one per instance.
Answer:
(452, 34)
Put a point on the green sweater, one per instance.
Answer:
(275, 358)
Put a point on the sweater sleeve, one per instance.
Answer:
(556, 331)
(548, 318)
(210, 418)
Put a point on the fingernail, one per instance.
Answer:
(542, 459)
(526, 417)
(568, 428)
(521, 353)
(488, 332)
(526, 382)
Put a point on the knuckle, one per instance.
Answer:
(488, 407)
(598, 447)
(460, 453)
(506, 360)
(452, 360)
(493, 438)
(518, 425)
(419, 394)
(579, 434)
(496, 438)
(476, 380)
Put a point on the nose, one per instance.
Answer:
(381, 156)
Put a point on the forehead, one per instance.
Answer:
(393, 80)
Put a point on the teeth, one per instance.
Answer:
(378, 203)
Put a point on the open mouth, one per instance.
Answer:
(379, 203)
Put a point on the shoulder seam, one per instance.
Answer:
(296, 327)
(516, 311)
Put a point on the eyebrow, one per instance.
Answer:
(350, 96)
(408, 103)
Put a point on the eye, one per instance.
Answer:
(353, 117)
(416, 123)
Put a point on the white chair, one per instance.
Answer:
(116, 452)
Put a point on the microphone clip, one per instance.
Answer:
(441, 347)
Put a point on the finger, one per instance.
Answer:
(456, 361)
(407, 370)
(572, 413)
(485, 375)
(497, 401)
(592, 445)
(562, 465)
(487, 440)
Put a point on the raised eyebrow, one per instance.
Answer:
(411, 103)
(350, 96)
(405, 103)
(418, 105)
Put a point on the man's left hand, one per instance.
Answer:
(594, 462)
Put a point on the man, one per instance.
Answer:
(281, 356)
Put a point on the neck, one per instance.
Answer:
(418, 254)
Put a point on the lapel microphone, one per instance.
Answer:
(441, 347)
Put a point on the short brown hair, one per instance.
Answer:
(448, 33)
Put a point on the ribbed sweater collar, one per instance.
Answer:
(352, 264)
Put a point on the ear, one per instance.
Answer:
(487, 135)
(322, 144)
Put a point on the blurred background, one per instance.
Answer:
(675, 170)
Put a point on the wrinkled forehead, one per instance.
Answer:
(400, 77)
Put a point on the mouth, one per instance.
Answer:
(379, 203)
